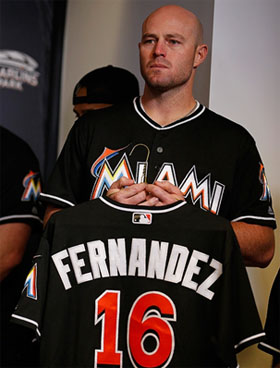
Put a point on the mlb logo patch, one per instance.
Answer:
(140, 218)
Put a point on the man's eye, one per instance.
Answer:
(174, 42)
(148, 41)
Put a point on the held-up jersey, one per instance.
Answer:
(271, 344)
(114, 285)
(213, 161)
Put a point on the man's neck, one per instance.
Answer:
(167, 107)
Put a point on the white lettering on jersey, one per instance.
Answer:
(200, 191)
(194, 269)
(117, 257)
(167, 172)
(97, 256)
(62, 268)
(203, 288)
(79, 263)
(137, 257)
(157, 260)
(177, 263)
(177, 267)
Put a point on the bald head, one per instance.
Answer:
(177, 13)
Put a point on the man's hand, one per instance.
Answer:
(126, 191)
(164, 192)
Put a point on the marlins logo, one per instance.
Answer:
(32, 185)
(105, 175)
(31, 283)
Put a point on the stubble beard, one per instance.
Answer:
(160, 83)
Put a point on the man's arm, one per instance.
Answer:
(256, 243)
(13, 240)
(49, 211)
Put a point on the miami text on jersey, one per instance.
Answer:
(180, 266)
(197, 191)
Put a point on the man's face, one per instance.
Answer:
(82, 108)
(167, 50)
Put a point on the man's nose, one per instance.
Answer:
(160, 48)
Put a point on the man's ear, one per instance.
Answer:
(200, 55)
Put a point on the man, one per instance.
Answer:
(20, 230)
(104, 87)
(167, 146)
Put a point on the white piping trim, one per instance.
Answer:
(140, 210)
(254, 217)
(16, 316)
(249, 339)
(19, 217)
(171, 125)
(57, 198)
(270, 347)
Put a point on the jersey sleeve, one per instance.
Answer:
(252, 201)
(271, 345)
(30, 308)
(20, 183)
(67, 180)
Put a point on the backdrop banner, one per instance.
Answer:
(31, 45)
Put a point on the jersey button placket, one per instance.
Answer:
(156, 153)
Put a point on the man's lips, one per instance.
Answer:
(157, 65)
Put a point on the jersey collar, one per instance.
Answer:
(140, 111)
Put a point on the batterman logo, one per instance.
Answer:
(142, 218)
(17, 69)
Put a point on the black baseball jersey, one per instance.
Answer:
(272, 325)
(20, 183)
(116, 286)
(213, 161)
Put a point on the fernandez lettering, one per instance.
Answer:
(112, 260)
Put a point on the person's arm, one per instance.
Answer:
(50, 210)
(256, 243)
(13, 240)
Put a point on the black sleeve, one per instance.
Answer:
(65, 185)
(252, 198)
(20, 183)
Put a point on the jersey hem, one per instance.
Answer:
(269, 348)
(54, 199)
(256, 220)
(26, 322)
(12, 218)
(249, 341)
